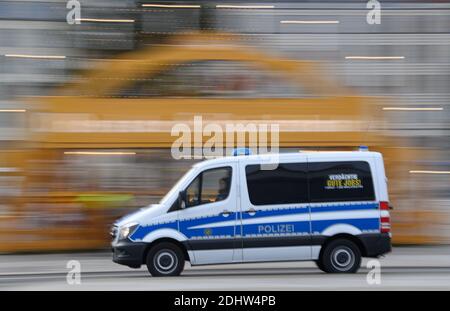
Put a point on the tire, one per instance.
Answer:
(319, 265)
(340, 256)
(165, 259)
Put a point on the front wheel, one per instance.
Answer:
(340, 256)
(165, 259)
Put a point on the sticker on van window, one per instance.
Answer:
(343, 181)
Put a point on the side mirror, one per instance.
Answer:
(182, 199)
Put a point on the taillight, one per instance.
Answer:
(384, 206)
(385, 225)
(385, 220)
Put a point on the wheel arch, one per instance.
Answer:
(169, 240)
(346, 236)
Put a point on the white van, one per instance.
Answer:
(328, 207)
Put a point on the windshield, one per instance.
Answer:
(175, 188)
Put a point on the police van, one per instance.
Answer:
(327, 207)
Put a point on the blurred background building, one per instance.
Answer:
(404, 62)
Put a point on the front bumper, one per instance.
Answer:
(128, 253)
(376, 244)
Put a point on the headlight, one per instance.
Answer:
(113, 231)
(127, 230)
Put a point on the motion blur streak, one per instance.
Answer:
(375, 57)
(97, 20)
(86, 109)
(173, 6)
(99, 153)
(309, 22)
(429, 172)
(36, 56)
(413, 109)
(230, 6)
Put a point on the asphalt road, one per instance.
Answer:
(406, 268)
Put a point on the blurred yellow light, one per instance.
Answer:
(429, 172)
(13, 110)
(36, 56)
(100, 20)
(172, 6)
(98, 153)
(413, 108)
(229, 6)
(309, 22)
(375, 57)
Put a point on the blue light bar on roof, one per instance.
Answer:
(241, 151)
(363, 148)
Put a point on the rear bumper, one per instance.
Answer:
(376, 244)
(128, 253)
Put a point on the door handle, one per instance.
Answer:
(226, 213)
(251, 212)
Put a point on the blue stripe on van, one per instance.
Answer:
(343, 207)
(314, 209)
(277, 212)
(300, 227)
(265, 229)
(362, 224)
(142, 231)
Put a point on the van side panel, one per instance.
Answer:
(352, 218)
(274, 227)
(357, 218)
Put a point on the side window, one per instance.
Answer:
(209, 186)
(215, 185)
(193, 192)
(340, 181)
(286, 184)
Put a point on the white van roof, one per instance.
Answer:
(324, 155)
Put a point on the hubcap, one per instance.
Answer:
(342, 258)
(165, 261)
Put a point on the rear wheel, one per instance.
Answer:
(340, 256)
(165, 259)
